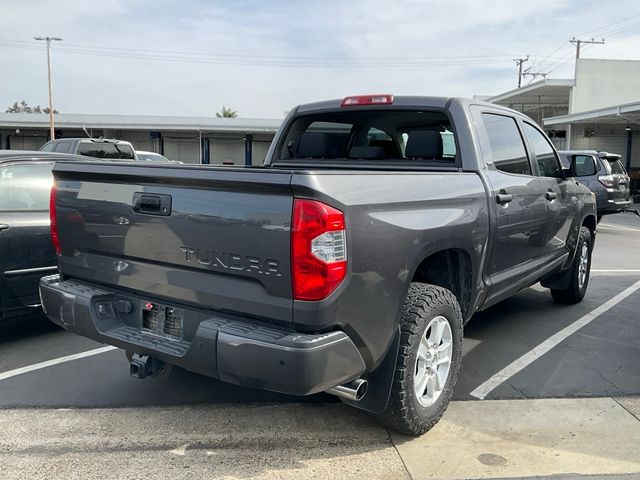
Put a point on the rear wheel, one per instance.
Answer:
(428, 361)
(579, 272)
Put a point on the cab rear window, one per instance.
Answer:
(106, 150)
(371, 136)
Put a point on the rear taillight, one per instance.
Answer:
(318, 250)
(606, 180)
(54, 220)
(367, 100)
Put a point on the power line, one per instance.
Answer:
(608, 25)
(274, 63)
(101, 49)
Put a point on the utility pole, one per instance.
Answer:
(578, 43)
(49, 40)
(519, 62)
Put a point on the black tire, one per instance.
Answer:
(574, 293)
(404, 413)
(598, 218)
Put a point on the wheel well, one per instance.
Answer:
(450, 269)
(590, 223)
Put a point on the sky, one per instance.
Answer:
(261, 58)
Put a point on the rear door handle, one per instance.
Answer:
(551, 196)
(3, 226)
(504, 198)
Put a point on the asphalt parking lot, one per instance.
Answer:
(560, 391)
(600, 359)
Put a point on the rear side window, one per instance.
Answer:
(63, 147)
(402, 136)
(545, 155)
(507, 148)
(617, 167)
(106, 150)
(25, 187)
(48, 147)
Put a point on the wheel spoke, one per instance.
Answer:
(437, 329)
(421, 382)
(444, 348)
(432, 388)
(443, 361)
(441, 377)
(423, 352)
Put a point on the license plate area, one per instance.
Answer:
(162, 320)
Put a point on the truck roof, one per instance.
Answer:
(403, 101)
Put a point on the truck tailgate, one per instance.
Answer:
(212, 237)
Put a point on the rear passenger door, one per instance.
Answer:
(517, 204)
(560, 194)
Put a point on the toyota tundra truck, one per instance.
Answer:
(348, 263)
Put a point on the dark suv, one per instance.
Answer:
(605, 176)
(92, 147)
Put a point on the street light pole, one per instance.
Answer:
(52, 133)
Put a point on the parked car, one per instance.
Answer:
(26, 251)
(92, 147)
(604, 174)
(348, 263)
(154, 157)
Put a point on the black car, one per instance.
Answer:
(26, 252)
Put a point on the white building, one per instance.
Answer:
(188, 139)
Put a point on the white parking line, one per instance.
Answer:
(525, 360)
(55, 361)
(619, 227)
(616, 271)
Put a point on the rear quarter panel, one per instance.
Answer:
(394, 221)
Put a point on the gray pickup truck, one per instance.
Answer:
(348, 263)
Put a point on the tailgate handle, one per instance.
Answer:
(152, 203)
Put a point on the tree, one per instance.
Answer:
(23, 107)
(226, 113)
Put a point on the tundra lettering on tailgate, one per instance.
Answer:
(231, 261)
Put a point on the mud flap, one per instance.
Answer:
(380, 381)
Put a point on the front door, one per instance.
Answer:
(561, 195)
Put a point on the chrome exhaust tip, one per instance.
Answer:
(355, 390)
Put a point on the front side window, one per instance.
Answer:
(405, 136)
(25, 187)
(545, 154)
(507, 148)
(106, 150)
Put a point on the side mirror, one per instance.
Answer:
(567, 172)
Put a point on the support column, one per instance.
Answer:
(629, 144)
(248, 147)
(206, 149)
